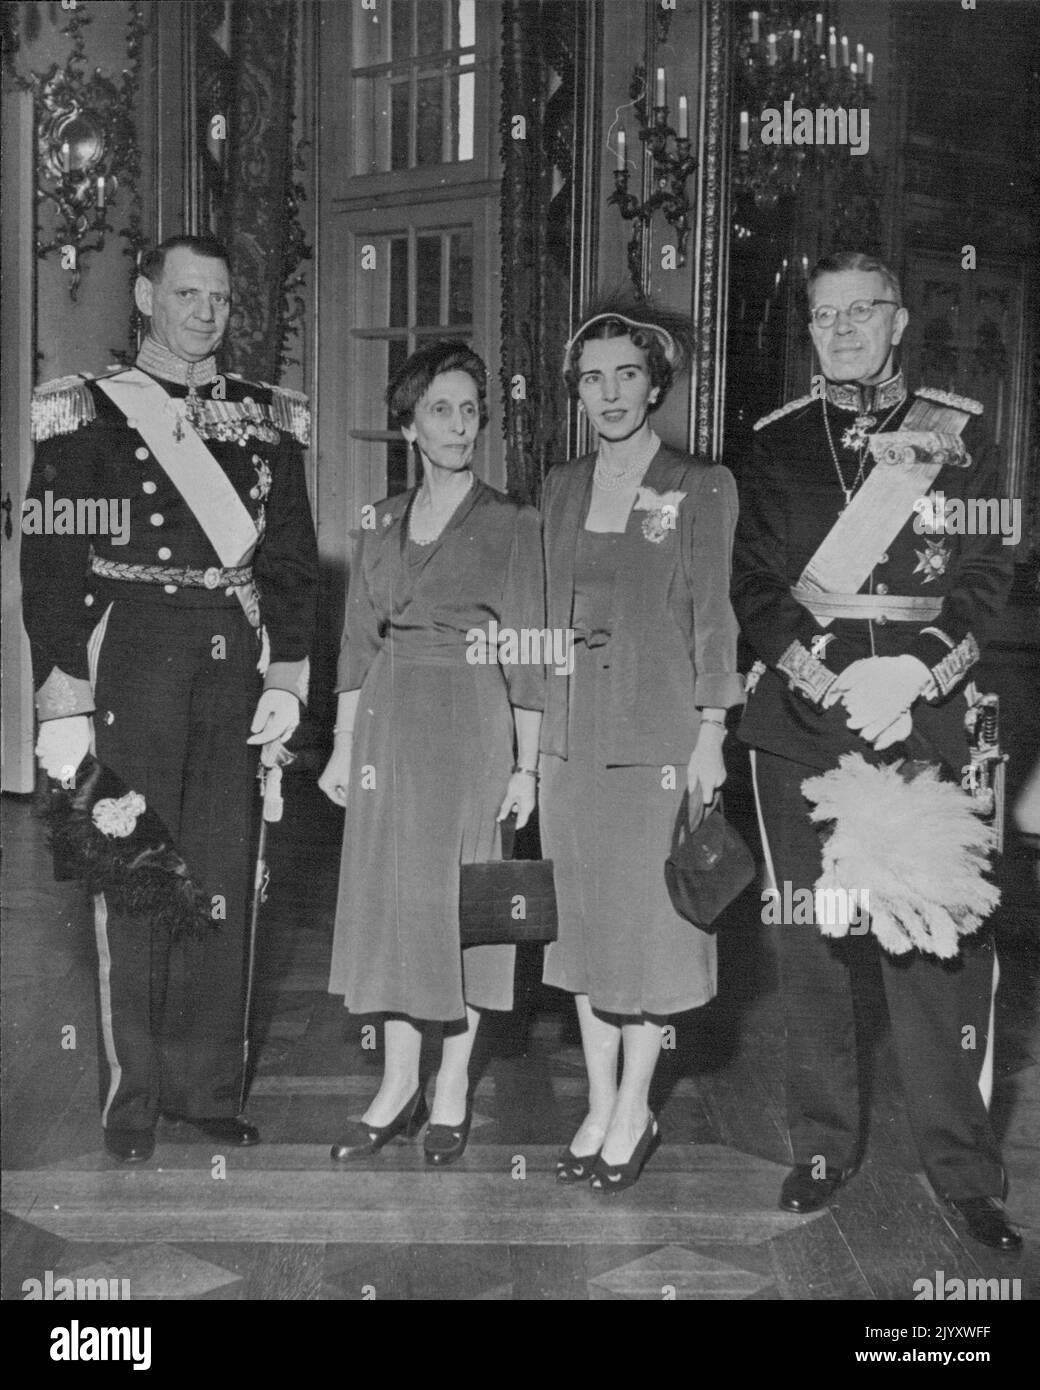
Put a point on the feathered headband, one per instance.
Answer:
(673, 355)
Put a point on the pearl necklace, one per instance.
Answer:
(632, 474)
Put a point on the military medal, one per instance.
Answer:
(856, 435)
(932, 561)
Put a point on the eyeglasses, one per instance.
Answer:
(859, 311)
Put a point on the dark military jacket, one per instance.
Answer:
(87, 452)
(790, 497)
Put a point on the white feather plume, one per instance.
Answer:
(915, 846)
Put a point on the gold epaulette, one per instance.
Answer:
(782, 411)
(965, 403)
(61, 406)
(291, 411)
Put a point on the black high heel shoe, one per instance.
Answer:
(572, 1167)
(363, 1139)
(445, 1143)
(615, 1177)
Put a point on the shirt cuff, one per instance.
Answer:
(61, 696)
(293, 676)
(718, 690)
(950, 670)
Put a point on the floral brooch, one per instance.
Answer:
(662, 511)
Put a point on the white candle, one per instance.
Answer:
(660, 101)
(796, 39)
(832, 49)
(684, 118)
(754, 26)
(743, 130)
(101, 193)
(844, 50)
(853, 69)
(819, 30)
(870, 69)
(621, 163)
(771, 50)
(805, 266)
(66, 161)
(859, 57)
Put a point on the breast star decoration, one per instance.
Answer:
(932, 560)
(662, 512)
(856, 434)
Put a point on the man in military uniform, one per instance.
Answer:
(865, 631)
(148, 644)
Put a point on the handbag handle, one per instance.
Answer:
(682, 820)
(508, 831)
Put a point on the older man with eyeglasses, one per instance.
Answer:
(867, 627)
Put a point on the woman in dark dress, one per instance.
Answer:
(638, 540)
(423, 754)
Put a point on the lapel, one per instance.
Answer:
(571, 510)
(640, 571)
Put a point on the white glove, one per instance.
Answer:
(277, 715)
(878, 691)
(62, 746)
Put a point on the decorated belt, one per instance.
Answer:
(880, 608)
(212, 578)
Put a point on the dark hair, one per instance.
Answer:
(611, 315)
(413, 378)
(154, 263)
(854, 260)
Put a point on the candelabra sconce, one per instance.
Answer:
(83, 136)
(672, 164)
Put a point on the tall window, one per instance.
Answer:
(414, 84)
(426, 292)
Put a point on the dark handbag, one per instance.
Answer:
(709, 865)
(509, 902)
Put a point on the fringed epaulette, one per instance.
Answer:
(782, 411)
(932, 393)
(61, 406)
(290, 411)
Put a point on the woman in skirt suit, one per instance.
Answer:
(638, 540)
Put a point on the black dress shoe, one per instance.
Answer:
(615, 1177)
(238, 1133)
(130, 1145)
(802, 1193)
(987, 1222)
(363, 1139)
(445, 1143)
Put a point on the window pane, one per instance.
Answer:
(396, 467)
(430, 131)
(431, 28)
(401, 30)
(397, 355)
(371, 35)
(428, 281)
(398, 282)
(463, 24)
(461, 97)
(399, 126)
(460, 277)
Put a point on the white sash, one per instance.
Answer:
(158, 418)
(880, 509)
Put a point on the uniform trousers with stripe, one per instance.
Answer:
(939, 1013)
(175, 690)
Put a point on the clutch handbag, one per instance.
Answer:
(508, 902)
(709, 865)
